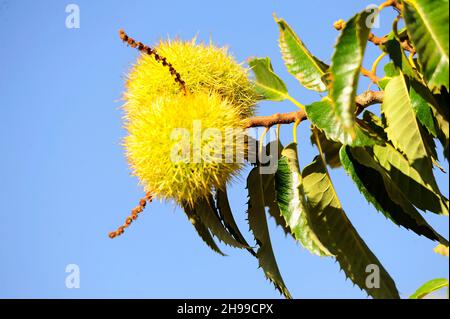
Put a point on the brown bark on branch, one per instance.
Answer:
(362, 101)
(405, 44)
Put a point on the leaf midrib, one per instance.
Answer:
(307, 53)
(428, 27)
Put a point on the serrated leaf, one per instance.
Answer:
(421, 107)
(403, 129)
(345, 67)
(322, 115)
(269, 191)
(440, 108)
(428, 26)
(429, 287)
(376, 125)
(207, 212)
(201, 229)
(292, 201)
(267, 84)
(441, 250)
(330, 149)
(258, 225)
(413, 184)
(226, 215)
(379, 190)
(268, 182)
(338, 235)
(404, 132)
(305, 67)
(399, 59)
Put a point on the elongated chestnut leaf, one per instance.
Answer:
(258, 225)
(304, 66)
(338, 235)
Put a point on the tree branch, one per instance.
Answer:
(405, 44)
(362, 101)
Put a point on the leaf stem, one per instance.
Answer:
(261, 140)
(411, 60)
(377, 61)
(294, 130)
(297, 103)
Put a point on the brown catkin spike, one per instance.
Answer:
(134, 214)
(148, 50)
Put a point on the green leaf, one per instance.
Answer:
(376, 125)
(379, 190)
(390, 71)
(269, 191)
(405, 133)
(440, 108)
(422, 108)
(338, 235)
(270, 201)
(292, 201)
(427, 24)
(305, 67)
(322, 115)
(402, 127)
(226, 215)
(429, 287)
(345, 68)
(330, 149)
(201, 229)
(399, 59)
(258, 224)
(268, 85)
(424, 194)
(207, 212)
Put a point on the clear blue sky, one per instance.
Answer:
(64, 181)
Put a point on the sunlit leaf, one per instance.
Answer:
(429, 287)
(306, 68)
(405, 133)
(403, 128)
(345, 68)
(330, 149)
(427, 24)
(258, 225)
(399, 60)
(412, 183)
(440, 109)
(338, 235)
(269, 191)
(267, 84)
(421, 107)
(322, 115)
(270, 201)
(379, 190)
(292, 201)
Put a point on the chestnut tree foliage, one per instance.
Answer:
(391, 158)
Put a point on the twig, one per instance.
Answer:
(362, 101)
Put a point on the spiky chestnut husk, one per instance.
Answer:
(203, 68)
(151, 143)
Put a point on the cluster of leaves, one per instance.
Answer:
(390, 158)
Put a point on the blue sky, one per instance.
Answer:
(65, 182)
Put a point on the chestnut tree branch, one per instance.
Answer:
(362, 101)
